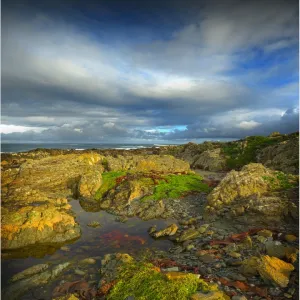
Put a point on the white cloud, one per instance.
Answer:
(15, 128)
(248, 124)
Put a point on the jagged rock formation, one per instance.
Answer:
(34, 205)
(257, 190)
(147, 163)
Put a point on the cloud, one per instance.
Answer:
(219, 69)
(248, 124)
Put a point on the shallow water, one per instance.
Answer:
(112, 236)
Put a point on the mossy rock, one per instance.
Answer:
(145, 281)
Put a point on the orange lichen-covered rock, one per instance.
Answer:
(274, 270)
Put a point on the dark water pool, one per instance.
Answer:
(111, 237)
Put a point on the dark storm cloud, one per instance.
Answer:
(102, 71)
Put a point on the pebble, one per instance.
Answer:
(265, 233)
(89, 261)
(65, 248)
(290, 238)
(79, 272)
(286, 295)
(234, 254)
(238, 298)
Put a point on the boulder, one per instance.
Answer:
(275, 271)
(89, 183)
(211, 160)
(255, 194)
(249, 181)
(283, 156)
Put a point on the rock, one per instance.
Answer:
(246, 243)
(79, 272)
(189, 221)
(262, 239)
(19, 287)
(274, 270)
(290, 238)
(275, 248)
(170, 230)
(207, 258)
(249, 266)
(65, 248)
(238, 277)
(238, 298)
(203, 228)
(190, 234)
(94, 224)
(88, 261)
(29, 272)
(147, 163)
(286, 295)
(211, 160)
(234, 254)
(189, 247)
(89, 183)
(282, 156)
(152, 230)
(40, 188)
(241, 184)
(265, 233)
(214, 295)
(122, 219)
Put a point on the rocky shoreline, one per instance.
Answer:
(234, 205)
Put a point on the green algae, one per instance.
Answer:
(243, 153)
(175, 186)
(282, 181)
(144, 282)
(109, 182)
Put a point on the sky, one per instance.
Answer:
(148, 71)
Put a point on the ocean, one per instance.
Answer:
(22, 147)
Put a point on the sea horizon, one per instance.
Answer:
(7, 147)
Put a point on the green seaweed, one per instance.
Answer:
(144, 282)
(175, 186)
(109, 182)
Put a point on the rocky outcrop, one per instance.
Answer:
(147, 163)
(249, 181)
(30, 225)
(283, 156)
(211, 160)
(34, 205)
(89, 183)
(256, 191)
